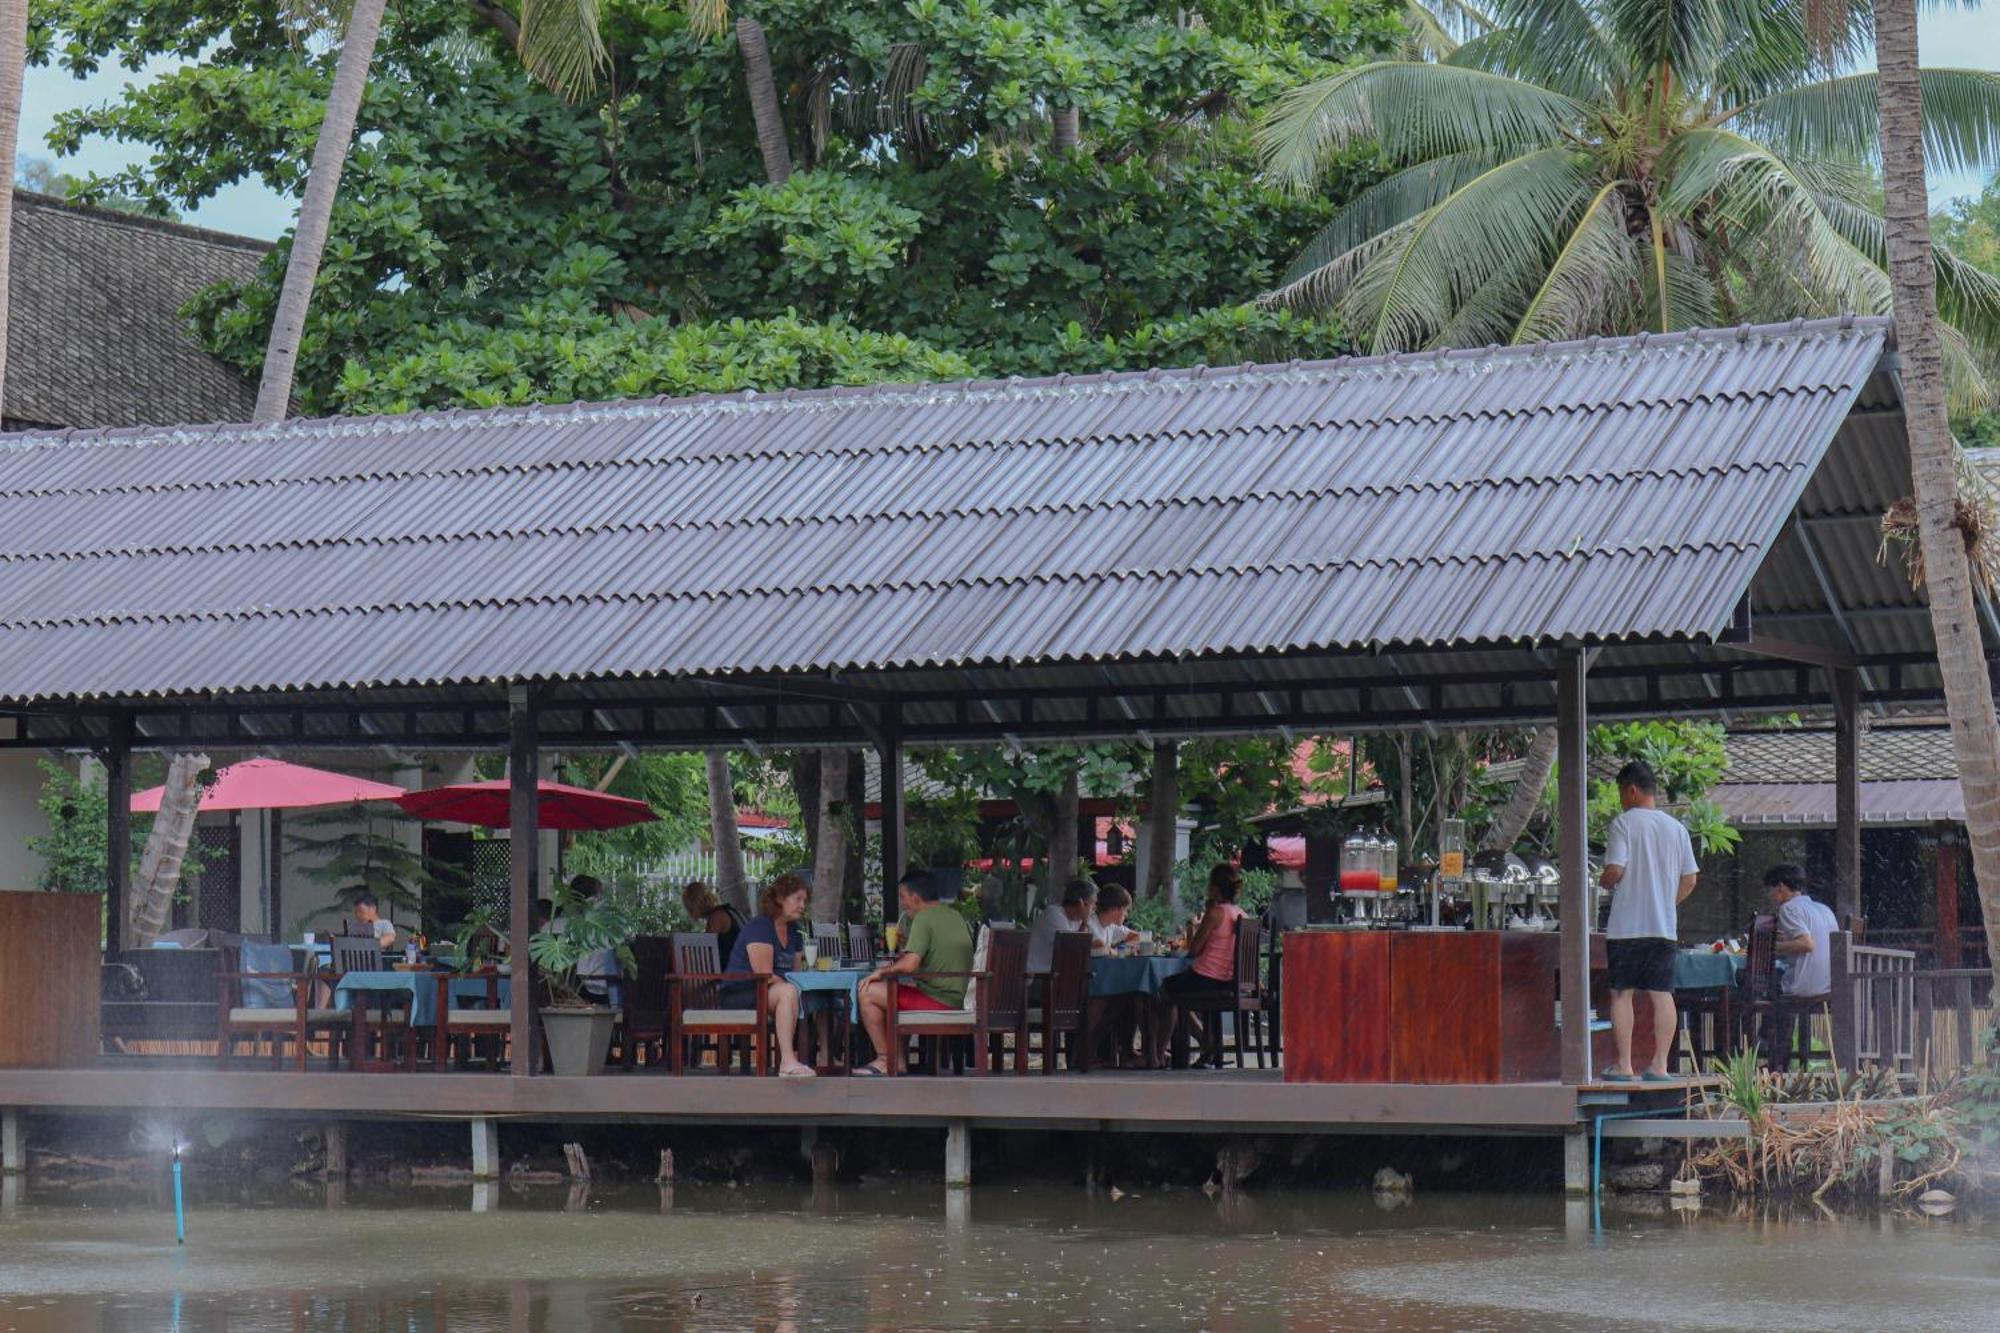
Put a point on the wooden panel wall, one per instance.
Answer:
(1336, 1007)
(48, 978)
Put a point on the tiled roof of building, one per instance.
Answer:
(1909, 775)
(95, 333)
(1614, 490)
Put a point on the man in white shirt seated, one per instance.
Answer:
(368, 920)
(1072, 914)
(1805, 935)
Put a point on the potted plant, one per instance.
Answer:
(578, 1025)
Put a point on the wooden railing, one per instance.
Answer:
(1887, 1013)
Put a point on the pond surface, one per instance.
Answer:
(881, 1256)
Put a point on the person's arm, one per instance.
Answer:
(385, 932)
(1687, 887)
(1615, 856)
(762, 957)
(718, 921)
(1210, 921)
(1793, 938)
(1690, 867)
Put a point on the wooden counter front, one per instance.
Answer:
(49, 956)
(1420, 1007)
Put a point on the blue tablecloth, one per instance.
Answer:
(420, 988)
(1704, 969)
(1132, 976)
(827, 988)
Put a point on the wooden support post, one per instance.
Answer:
(336, 1149)
(485, 1149)
(1574, 896)
(523, 854)
(891, 752)
(1846, 793)
(957, 1154)
(13, 1158)
(118, 832)
(1950, 949)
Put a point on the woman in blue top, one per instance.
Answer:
(770, 945)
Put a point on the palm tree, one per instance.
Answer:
(1904, 98)
(1604, 166)
(13, 69)
(1559, 168)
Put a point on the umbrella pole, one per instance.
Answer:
(274, 874)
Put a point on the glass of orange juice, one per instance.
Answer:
(892, 936)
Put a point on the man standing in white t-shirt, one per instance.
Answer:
(1649, 869)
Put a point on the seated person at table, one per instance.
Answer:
(939, 941)
(1211, 950)
(1804, 935)
(368, 920)
(599, 971)
(1070, 915)
(1107, 924)
(771, 945)
(711, 914)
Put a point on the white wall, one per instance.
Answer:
(20, 818)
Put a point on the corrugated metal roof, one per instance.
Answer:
(1811, 804)
(1620, 488)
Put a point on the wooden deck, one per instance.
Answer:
(1184, 1101)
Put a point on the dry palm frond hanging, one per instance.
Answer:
(1977, 516)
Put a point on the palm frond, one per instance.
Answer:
(1435, 28)
(1399, 302)
(1841, 118)
(1689, 36)
(706, 18)
(1968, 296)
(560, 44)
(1393, 200)
(1564, 43)
(1488, 313)
(1414, 111)
(1595, 267)
(1692, 300)
(1772, 45)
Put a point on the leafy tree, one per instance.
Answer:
(1970, 228)
(1590, 166)
(74, 850)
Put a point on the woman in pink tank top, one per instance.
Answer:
(1211, 972)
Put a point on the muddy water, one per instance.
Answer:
(881, 1257)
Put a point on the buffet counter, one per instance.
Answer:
(1416, 1006)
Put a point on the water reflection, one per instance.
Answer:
(878, 1256)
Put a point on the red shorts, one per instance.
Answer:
(909, 998)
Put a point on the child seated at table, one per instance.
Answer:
(1107, 924)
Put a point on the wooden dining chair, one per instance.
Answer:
(831, 939)
(268, 1001)
(695, 1012)
(933, 1025)
(356, 953)
(1065, 999)
(459, 1020)
(860, 944)
(1242, 1000)
(1007, 998)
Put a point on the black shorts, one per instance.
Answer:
(1645, 964)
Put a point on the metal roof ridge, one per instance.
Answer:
(1156, 380)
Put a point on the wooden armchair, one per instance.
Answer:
(275, 1004)
(1779, 1024)
(694, 1009)
(860, 945)
(491, 1022)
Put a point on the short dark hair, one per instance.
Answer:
(924, 884)
(1111, 897)
(1079, 891)
(1786, 873)
(1638, 774)
(586, 886)
(367, 900)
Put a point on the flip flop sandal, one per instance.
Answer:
(801, 1072)
(869, 1071)
(1650, 1077)
(1613, 1076)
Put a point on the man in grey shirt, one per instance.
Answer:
(1804, 936)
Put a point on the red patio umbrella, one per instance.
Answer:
(562, 806)
(273, 784)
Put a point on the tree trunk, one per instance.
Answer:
(1063, 131)
(804, 766)
(13, 67)
(1163, 808)
(854, 880)
(1512, 819)
(1968, 691)
(765, 108)
(1062, 836)
(730, 883)
(166, 848)
(830, 857)
(336, 137)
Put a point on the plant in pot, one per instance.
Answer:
(579, 942)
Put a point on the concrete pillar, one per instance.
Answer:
(957, 1154)
(485, 1149)
(1576, 1161)
(336, 1149)
(13, 1157)
(1575, 893)
(485, 1196)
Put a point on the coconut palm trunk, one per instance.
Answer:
(13, 68)
(1512, 820)
(730, 882)
(765, 109)
(336, 138)
(1933, 456)
(166, 849)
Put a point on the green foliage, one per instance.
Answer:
(354, 851)
(1608, 167)
(588, 925)
(674, 785)
(487, 230)
(74, 850)
(1688, 758)
(1229, 782)
(942, 830)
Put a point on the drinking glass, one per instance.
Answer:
(812, 955)
(892, 936)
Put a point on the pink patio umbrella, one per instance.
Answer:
(561, 806)
(275, 786)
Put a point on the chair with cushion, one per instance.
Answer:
(932, 1025)
(1064, 1002)
(1243, 999)
(475, 1021)
(267, 1000)
(695, 1012)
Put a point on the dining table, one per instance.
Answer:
(1133, 974)
(412, 991)
(827, 994)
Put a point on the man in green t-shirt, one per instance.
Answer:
(938, 941)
